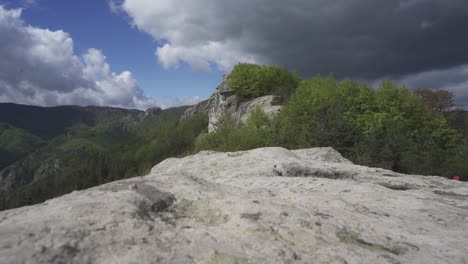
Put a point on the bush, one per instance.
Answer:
(231, 136)
(251, 81)
(317, 115)
(388, 127)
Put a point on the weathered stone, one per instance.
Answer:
(218, 207)
(201, 108)
(224, 101)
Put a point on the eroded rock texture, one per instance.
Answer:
(223, 101)
(268, 205)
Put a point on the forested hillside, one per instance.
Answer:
(91, 147)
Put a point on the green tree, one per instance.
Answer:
(231, 136)
(317, 115)
(251, 81)
(437, 101)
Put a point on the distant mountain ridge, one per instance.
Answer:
(47, 122)
(49, 151)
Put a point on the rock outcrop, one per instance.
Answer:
(224, 101)
(268, 205)
(26, 171)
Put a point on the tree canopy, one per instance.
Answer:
(437, 101)
(251, 81)
(389, 127)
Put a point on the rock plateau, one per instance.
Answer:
(268, 205)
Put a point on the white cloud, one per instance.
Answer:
(199, 57)
(39, 67)
(179, 101)
(113, 6)
(190, 33)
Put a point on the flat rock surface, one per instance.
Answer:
(268, 205)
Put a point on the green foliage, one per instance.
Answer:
(88, 171)
(317, 114)
(172, 139)
(15, 144)
(235, 137)
(251, 81)
(388, 127)
(437, 101)
(108, 151)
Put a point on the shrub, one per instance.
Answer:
(387, 127)
(234, 137)
(251, 81)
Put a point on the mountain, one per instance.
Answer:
(268, 205)
(50, 151)
(16, 143)
(25, 128)
(49, 122)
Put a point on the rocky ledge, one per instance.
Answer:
(268, 205)
(224, 101)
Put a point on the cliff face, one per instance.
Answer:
(26, 171)
(268, 205)
(223, 100)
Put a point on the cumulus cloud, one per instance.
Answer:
(193, 32)
(179, 101)
(39, 67)
(361, 39)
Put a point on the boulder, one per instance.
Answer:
(268, 205)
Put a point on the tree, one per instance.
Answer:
(251, 81)
(231, 136)
(437, 101)
(388, 127)
(318, 114)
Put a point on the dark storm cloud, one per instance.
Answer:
(367, 38)
(454, 79)
(361, 39)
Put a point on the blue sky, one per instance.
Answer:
(141, 53)
(92, 24)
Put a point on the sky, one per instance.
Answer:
(145, 53)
